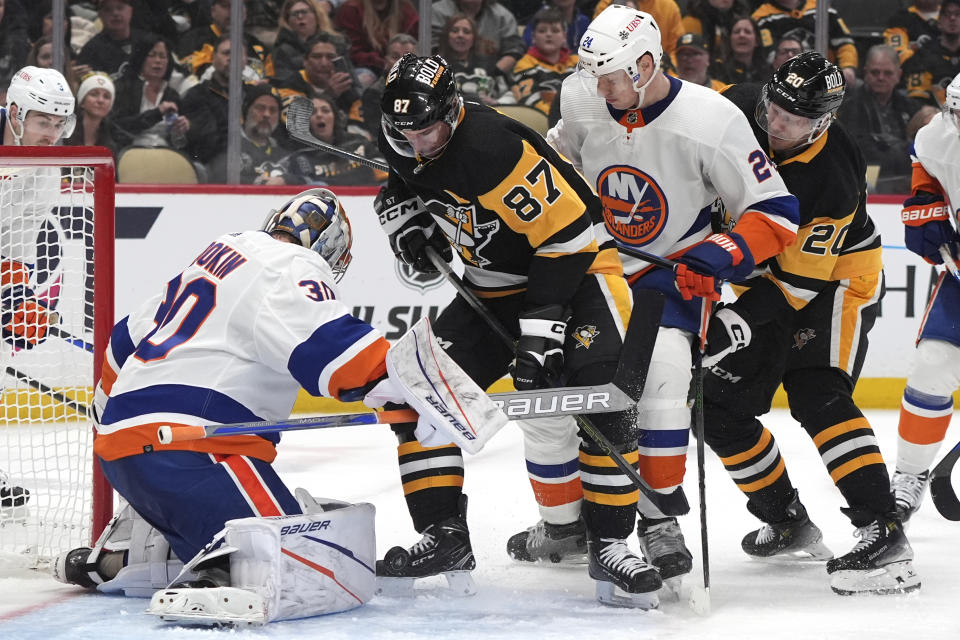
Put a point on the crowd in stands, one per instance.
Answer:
(153, 73)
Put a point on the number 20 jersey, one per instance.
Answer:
(231, 339)
(659, 170)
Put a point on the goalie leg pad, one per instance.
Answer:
(441, 392)
(552, 449)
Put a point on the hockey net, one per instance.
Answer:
(56, 217)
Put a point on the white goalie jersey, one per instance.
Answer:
(231, 339)
(660, 170)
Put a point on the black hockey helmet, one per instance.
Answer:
(419, 92)
(807, 85)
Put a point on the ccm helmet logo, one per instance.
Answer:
(939, 212)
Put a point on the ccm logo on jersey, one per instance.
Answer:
(565, 403)
(444, 412)
(924, 213)
(304, 527)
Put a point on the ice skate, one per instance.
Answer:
(545, 542)
(13, 501)
(663, 546)
(71, 568)
(794, 538)
(443, 550)
(623, 578)
(881, 563)
(908, 490)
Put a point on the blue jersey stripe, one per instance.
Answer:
(783, 206)
(120, 342)
(553, 470)
(326, 344)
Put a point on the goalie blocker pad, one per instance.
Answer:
(440, 391)
(282, 568)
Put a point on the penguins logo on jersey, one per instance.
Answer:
(802, 337)
(459, 223)
(585, 335)
(634, 206)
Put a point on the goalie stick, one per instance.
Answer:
(298, 126)
(516, 405)
(941, 489)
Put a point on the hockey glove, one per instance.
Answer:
(729, 331)
(410, 229)
(23, 319)
(722, 256)
(538, 360)
(927, 226)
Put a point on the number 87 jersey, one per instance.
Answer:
(230, 339)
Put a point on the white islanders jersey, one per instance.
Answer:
(660, 170)
(231, 339)
(937, 149)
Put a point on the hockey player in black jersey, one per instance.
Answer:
(529, 231)
(809, 311)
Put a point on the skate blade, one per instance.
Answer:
(685, 589)
(816, 552)
(459, 583)
(892, 579)
(611, 595)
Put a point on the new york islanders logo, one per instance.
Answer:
(634, 206)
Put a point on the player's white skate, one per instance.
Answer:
(220, 606)
(443, 550)
(881, 563)
(793, 538)
(623, 578)
(908, 490)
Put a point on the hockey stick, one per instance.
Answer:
(298, 125)
(698, 604)
(949, 262)
(517, 405)
(652, 258)
(56, 331)
(82, 409)
(941, 489)
(628, 376)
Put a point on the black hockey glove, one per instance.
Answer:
(539, 356)
(410, 229)
(729, 331)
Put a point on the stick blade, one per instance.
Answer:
(298, 116)
(638, 345)
(941, 489)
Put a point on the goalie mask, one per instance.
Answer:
(44, 91)
(616, 40)
(316, 219)
(419, 92)
(800, 102)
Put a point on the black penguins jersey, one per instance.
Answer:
(836, 240)
(520, 216)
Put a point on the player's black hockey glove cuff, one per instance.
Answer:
(539, 356)
(410, 229)
(729, 331)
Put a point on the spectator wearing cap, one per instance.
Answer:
(665, 12)
(539, 74)
(147, 108)
(195, 48)
(777, 17)
(931, 68)
(109, 49)
(94, 101)
(693, 61)
(876, 115)
(261, 116)
(318, 167)
(744, 59)
(910, 28)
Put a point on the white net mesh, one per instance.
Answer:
(46, 224)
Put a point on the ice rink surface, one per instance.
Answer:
(750, 599)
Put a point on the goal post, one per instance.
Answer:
(57, 218)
